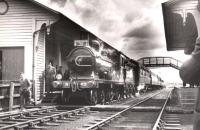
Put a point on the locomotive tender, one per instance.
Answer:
(100, 73)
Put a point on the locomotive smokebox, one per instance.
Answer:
(81, 62)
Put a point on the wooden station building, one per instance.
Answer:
(31, 34)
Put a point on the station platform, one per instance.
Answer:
(109, 107)
(183, 99)
(182, 102)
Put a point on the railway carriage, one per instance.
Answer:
(144, 79)
(148, 81)
(100, 73)
(156, 82)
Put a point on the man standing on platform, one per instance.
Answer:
(50, 76)
(25, 91)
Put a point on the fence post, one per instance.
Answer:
(34, 91)
(11, 96)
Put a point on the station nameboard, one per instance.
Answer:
(180, 26)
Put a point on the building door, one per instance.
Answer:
(11, 62)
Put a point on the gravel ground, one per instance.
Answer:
(134, 121)
(187, 121)
(134, 100)
(79, 123)
(144, 121)
(129, 121)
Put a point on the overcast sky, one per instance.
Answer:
(134, 27)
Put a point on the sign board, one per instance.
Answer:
(81, 42)
(180, 26)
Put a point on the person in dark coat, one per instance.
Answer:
(50, 76)
(25, 91)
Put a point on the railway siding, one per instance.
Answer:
(88, 117)
(129, 119)
(43, 116)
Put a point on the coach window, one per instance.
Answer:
(122, 62)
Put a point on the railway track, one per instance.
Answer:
(167, 121)
(129, 100)
(128, 119)
(82, 118)
(48, 116)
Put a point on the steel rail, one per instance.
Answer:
(161, 113)
(103, 122)
(44, 119)
(7, 115)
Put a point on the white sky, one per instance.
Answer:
(133, 26)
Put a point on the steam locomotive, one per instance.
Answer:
(100, 74)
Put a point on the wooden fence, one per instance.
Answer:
(9, 95)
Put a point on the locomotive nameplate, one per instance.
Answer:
(81, 43)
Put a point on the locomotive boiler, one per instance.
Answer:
(100, 74)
